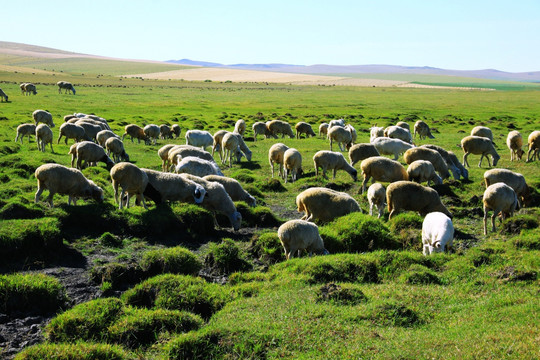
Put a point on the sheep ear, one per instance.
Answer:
(438, 245)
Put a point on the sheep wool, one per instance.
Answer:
(197, 166)
(500, 198)
(399, 197)
(298, 235)
(25, 130)
(382, 169)
(479, 145)
(329, 160)
(437, 233)
(292, 163)
(131, 179)
(44, 136)
(376, 195)
(325, 204)
(515, 180)
(275, 156)
(233, 188)
(359, 152)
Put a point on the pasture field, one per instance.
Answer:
(376, 296)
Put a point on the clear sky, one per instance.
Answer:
(450, 34)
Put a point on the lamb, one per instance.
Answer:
(397, 132)
(381, 168)
(389, 146)
(233, 188)
(514, 141)
(437, 233)
(176, 130)
(164, 186)
(66, 86)
(65, 181)
(25, 130)
(375, 132)
(341, 136)
(196, 166)
(3, 96)
(323, 130)
(336, 122)
(104, 135)
(230, 144)
(329, 160)
(423, 130)
(433, 156)
(352, 130)
(359, 152)
(534, 146)
(303, 128)
(376, 195)
(404, 125)
(91, 130)
(515, 180)
(177, 152)
(455, 169)
(135, 131)
(199, 138)
(483, 132)
(500, 198)
(280, 127)
(298, 235)
(216, 145)
(131, 179)
(275, 155)
(479, 145)
(325, 204)
(89, 152)
(72, 131)
(115, 146)
(240, 127)
(42, 116)
(28, 88)
(44, 136)
(152, 132)
(292, 161)
(260, 128)
(423, 170)
(165, 132)
(408, 195)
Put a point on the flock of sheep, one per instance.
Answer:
(30, 89)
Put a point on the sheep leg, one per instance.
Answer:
(364, 183)
(38, 192)
(371, 209)
(58, 141)
(272, 167)
(115, 188)
(143, 201)
(381, 211)
(465, 162)
(495, 213)
(49, 198)
(334, 174)
(485, 220)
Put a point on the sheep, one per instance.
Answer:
(423, 130)
(534, 146)
(514, 141)
(177, 152)
(483, 132)
(375, 132)
(28, 88)
(408, 195)
(135, 131)
(452, 166)
(341, 136)
(165, 132)
(69, 117)
(500, 198)
(329, 160)
(240, 127)
(163, 153)
(437, 233)
(3, 96)
(433, 156)
(376, 195)
(275, 156)
(104, 135)
(25, 130)
(298, 235)
(66, 86)
(292, 161)
(65, 181)
(21, 86)
(152, 132)
(216, 145)
(352, 130)
(423, 170)
(260, 128)
(230, 144)
(164, 186)
(72, 131)
(42, 116)
(381, 168)
(462, 170)
(325, 204)
(196, 166)
(91, 130)
(323, 130)
(102, 123)
(199, 138)
(389, 146)
(397, 132)
(515, 180)
(233, 188)
(44, 136)
(303, 128)
(479, 145)
(404, 125)
(131, 179)
(89, 152)
(336, 122)
(280, 127)
(115, 146)
(359, 152)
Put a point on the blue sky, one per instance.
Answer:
(464, 35)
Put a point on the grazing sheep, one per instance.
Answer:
(534, 146)
(352, 130)
(28, 88)
(90, 153)
(163, 153)
(479, 145)
(66, 86)
(376, 195)
(230, 144)
(42, 116)
(433, 156)
(280, 127)
(383, 169)
(69, 117)
(458, 165)
(72, 131)
(21, 86)
(137, 132)
(176, 130)
(341, 136)
(455, 169)
(165, 132)
(437, 233)
(103, 136)
(233, 188)
(514, 141)
(389, 146)
(375, 132)
(25, 130)
(323, 130)
(176, 153)
(240, 127)
(298, 235)
(500, 198)
(404, 125)
(65, 181)
(163, 186)
(91, 130)
(336, 122)
(44, 136)
(515, 180)
(483, 132)
(303, 128)
(329, 160)
(115, 146)
(275, 155)
(196, 166)
(199, 138)
(86, 121)
(359, 152)
(3, 96)
(423, 170)
(408, 195)
(260, 128)
(325, 204)
(423, 130)
(216, 145)
(131, 179)
(397, 132)
(152, 132)
(292, 161)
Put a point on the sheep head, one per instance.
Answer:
(236, 220)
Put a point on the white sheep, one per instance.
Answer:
(176, 130)
(389, 146)
(102, 123)
(383, 169)
(177, 152)
(233, 188)
(534, 146)
(479, 145)
(303, 128)
(437, 233)
(280, 127)
(199, 138)
(163, 186)
(330, 160)
(404, 125)
(292, 162)
(455, 169)
(25, 130)
(514, 141)
(359, 152)
(408, 195)
(66, 86)
(336, 122)
(65, 181)
(298, 235)
(216, 145)
(72, 131)
(515, 180)
(22, 85)
(165, 132)
(260, 128)
(3, 96)
(196, 166)
(340, 135)
(28, 88)
(44, 136)
(325, 204)
(131, 179)
(230, 144)
(376, 195)
(69, 117)
(103, 136)
(323, 130)
(88, 153)
(115, 146)
(275, 156)
(135, 131)
(42, 116)
(163, 153)
(375, 132)
(240, 127)
(482, 131)
(500, 198)
(397, 132)
(433, 156)
(423, 170)
(152, 132)
(423, 130)
(458, 165)
(91, 130)
(352, 130)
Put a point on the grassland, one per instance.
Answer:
(479, 302)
